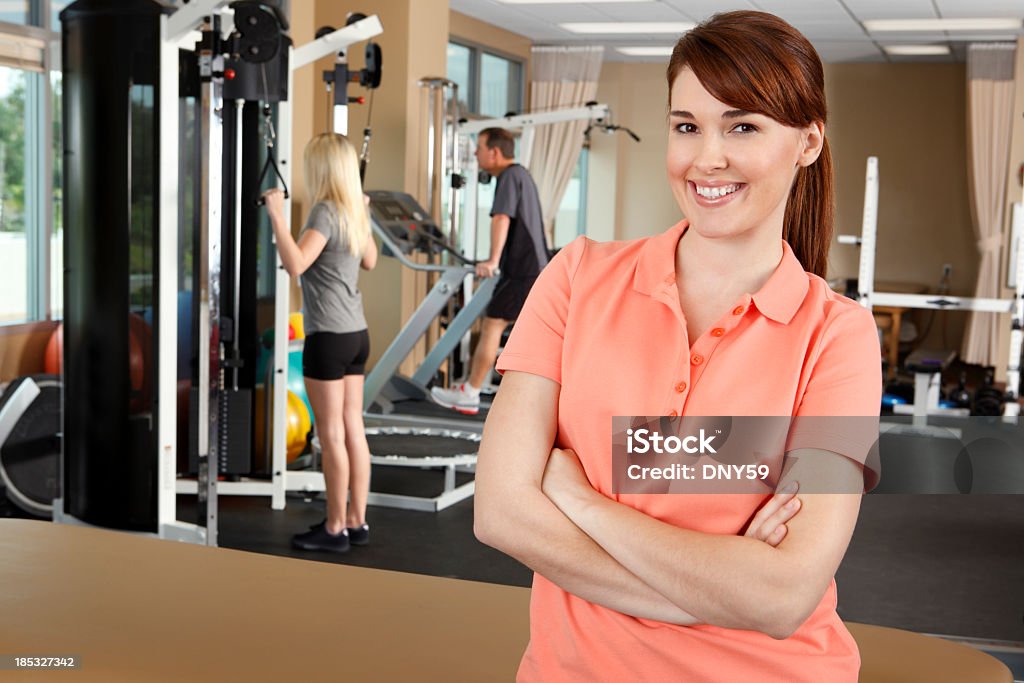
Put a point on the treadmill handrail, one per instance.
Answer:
(396, 250)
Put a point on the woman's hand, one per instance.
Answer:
(769, 524)
(273, 199)
(565, 482)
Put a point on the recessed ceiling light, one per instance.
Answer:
(904, 50)
(612, 27)
(647, 51)
(943, 24)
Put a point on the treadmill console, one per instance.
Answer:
(405, 221)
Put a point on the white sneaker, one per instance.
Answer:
(457, 398)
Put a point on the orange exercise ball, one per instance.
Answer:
(53, 357)
(140, 364)
(140, 361)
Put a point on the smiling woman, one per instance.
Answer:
(684, 586)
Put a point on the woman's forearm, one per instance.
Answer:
(728, 581)
(537, 534)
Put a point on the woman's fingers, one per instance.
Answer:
(774, 529)
(779, 509)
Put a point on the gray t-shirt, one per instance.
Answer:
(526, 251)
(330, 286)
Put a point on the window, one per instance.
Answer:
(489, 84)
(15, 12)
(14, 261)
(31, 268)
(571, 219)
(499, 86)
(57, 236)
(459, 70)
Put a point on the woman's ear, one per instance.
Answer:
(812, 139)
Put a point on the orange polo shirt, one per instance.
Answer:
(604, 321)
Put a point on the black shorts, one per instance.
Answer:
(508, 298)
(332, 355)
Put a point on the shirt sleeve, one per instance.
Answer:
(841, 403)
(535, 345)
(321, 219)
(506, 194)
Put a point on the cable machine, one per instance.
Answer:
(174, 127)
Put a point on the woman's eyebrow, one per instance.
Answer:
(730, 114)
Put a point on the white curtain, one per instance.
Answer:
(562, 77)
(989, 120)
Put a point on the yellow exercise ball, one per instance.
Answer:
(297, 424)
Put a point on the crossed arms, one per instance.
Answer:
(536, 505)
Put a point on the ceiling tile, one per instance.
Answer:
(698, 10)
(982, 8)
(836, 34)
(845, 51)
(891, 9)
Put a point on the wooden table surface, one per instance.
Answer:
(134, 608)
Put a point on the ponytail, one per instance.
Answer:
(810, 213)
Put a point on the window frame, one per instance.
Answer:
(476, 53)
(39, 164)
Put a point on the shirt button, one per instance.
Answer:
(737, 310)
(673, 414)
(717, 332)
(681, 387)
(696, 359)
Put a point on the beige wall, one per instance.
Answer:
(479, 32)
(628, 194)
(912, 116)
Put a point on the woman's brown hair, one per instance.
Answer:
(756, 62)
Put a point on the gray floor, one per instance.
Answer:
(943, 564)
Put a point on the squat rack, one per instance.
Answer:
(867, 297)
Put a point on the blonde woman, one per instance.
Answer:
(333, 245)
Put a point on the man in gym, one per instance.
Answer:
(518, 253)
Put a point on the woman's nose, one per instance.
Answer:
(711, 156)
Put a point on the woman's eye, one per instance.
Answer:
(686, 128)
(745, 128)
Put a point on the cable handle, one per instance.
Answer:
(267, 165)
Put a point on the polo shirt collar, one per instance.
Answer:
(778, 299)
(781, 296)
(656, 264)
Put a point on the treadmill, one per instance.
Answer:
(390, 398)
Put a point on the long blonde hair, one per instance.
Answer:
(332, 175)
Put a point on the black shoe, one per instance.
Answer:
(359, 535)
(318, 538)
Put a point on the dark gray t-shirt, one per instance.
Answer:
(525, 252)
(330, 286)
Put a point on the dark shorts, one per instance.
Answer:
(508, 298)
(332, 355)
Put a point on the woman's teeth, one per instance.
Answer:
(716, 192)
